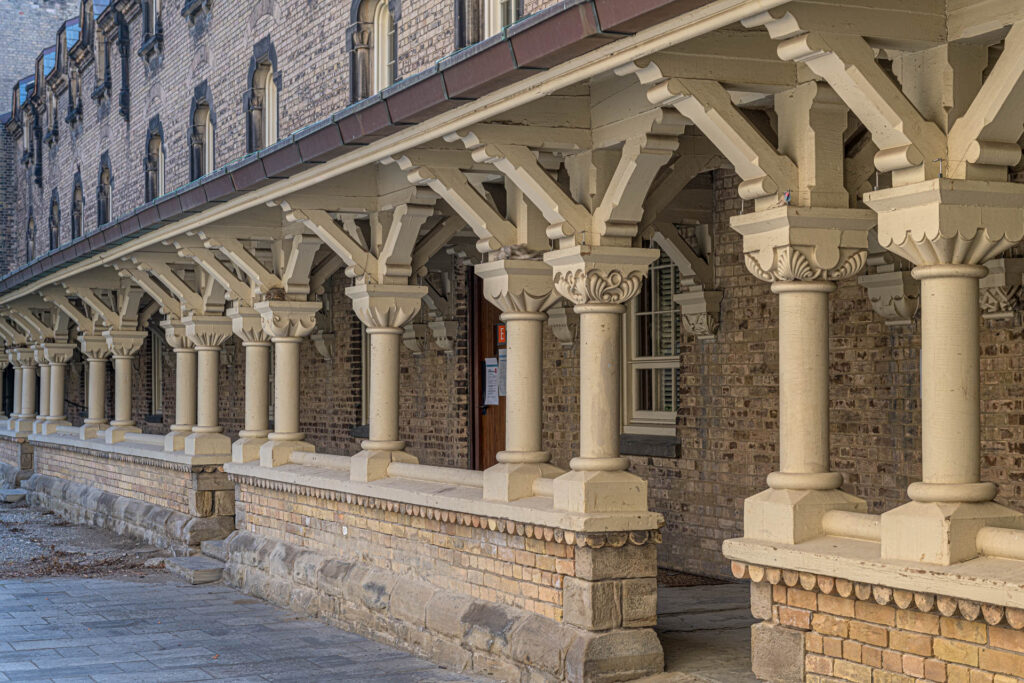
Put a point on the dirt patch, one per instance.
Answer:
(37, 543)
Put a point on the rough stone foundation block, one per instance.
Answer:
(777, 653)
(12, 495)
(195, 569)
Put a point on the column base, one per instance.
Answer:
(174, 440)
(207, 443)
(38, 425)
(373, 461)
(23, 425)
(793, 516)
(511, 481)
(50, 426)
(247, 448)
(92, 430)
(941, 533)
(116, 433)
(275, 453)
(600, 492)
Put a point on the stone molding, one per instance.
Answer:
(125, 343)
(947, 606)
(209, 331)
(132, 458)
(613, 539)
(698, 310)
(247, 325)
(999, 292)
(789, 244)
(895, 296)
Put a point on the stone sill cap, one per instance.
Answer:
(989, 580)
(463, 499)
(157, 455)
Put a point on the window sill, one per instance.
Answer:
(194, 7)
(150, 46)
(649, 445)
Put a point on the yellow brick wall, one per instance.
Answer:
(160, 486)
(496, 566)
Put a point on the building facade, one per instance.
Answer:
(518, 301)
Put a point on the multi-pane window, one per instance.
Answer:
(201, 142)
(262, 114)
(383, 47)
(497, 15)
(652, 349)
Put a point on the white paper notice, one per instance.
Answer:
(502, 372)
(491, 382)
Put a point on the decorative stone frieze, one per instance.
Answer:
(287, 323)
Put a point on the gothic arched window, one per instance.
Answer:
(77, 208)
(103, 193)
(201, 142)
(154, 165)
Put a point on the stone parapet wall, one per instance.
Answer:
(201, 491)
(595, 594)
(822, 629)
(15, 461)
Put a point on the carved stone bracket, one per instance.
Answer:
(414, 337)
(564, 324)
(444, 334)
(699, 311)
(94, 346)
(805, 244)
(174, 333)
(895, 295)
(1000, 290)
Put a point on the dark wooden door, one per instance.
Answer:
(488, 422)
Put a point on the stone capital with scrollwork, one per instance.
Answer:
(207, 331)
(946, 221)
(58, 354)
(247, 324)
(385, 306)
(94, 346)
(805, 244)
(599, 275)
(27, 357)
(125, 343)
(176, 335)
(518, 286)
(288, 319)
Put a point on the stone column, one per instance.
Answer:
(12, 358)
(124, 344)
(208, 333)
(58, 356)
(248, 326)
(27, 416)
(287, 323)
(802, 252)
(600, 281)
(948, 229)
(44, 388)
(523, 291)
(96, 351)
(384, 309)
(184, 385)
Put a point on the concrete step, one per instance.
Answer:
(218, 550)
(12, 495)
(196, 569)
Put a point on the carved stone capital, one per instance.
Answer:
(414, 337)
(58, 354)
(699, 312)
(247, 325)
(94, 346)
(27, 357)
(207, 330)
(1000, 291)
(444, 333)
(518, 286)
(895, 296)
(176, 334)
(392, 306)
(125, 343)
(288, 318)
(946, 221)
(804, 244)
(599, 275)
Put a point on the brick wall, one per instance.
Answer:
(26, 27)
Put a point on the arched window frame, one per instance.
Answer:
(54, 220)
(77, 206)
(261, 100)
(153, 28)
(154, 160)
(30, 239)
(373, 39)
(383, 47)
(104, 192)
(74, 95)
(476, 20)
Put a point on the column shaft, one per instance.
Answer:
(209, 368)
(28, 392)
(44, 390)
(18, 373)
(385, 347)
(257, 367)
(286, 389)
(122, 392)
(600, 362)
(57, 391)
(525, 398)
(185, 388)
(97, 390)
(804, 387)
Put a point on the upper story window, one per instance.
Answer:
(74, 95)
(383, 47)
(154, 166)
(651, 349)
(498, 14)
(201, 141)
(103, 193)
(262, 114)
(479, 19)
(373, 48)
(77, 208)
(52, 120)
(102, 67)
(54, 221)
(30, 239)
(152, 22)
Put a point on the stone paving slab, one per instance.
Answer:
(159, 629)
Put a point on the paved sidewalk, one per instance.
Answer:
(158, 629)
